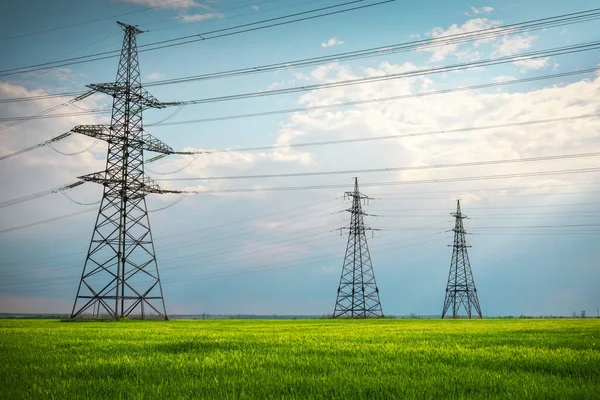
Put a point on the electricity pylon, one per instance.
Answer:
(358, 294)
(120, 276)
(460, 290)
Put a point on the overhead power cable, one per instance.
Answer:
(59, 115)
(392, 169)
(43, 114)
(404, 135)
(392, 183)
(59, 218)
(361, 54)
(42, 96)
(388, 137)
(193, 38)
(512, 207)
(381, 99)
(532, 226)
(58, 28)
(46, 111)
(407, 74)
(324, 143)
(92, 145)
(542, 23)
(36, 146)
(40, 194)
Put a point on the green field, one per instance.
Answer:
(301, 359)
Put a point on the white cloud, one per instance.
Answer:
(528, 64)
(481, 10)
(201, 17)
(301, 76)
(254, 7)
(273, 85)
(154, 76)
(509, 45)
(167, 3)
(448, 111)
(332, 42)
(439, 53)
(327, 270)
(504, 78)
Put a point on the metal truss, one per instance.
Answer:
(358, 294)
(120, 277)
(461, 293)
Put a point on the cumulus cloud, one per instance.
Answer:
(167, 3)
(439, 53)
(201, 17)
(454, 110)
(480, 10)
(154, 76)
(332, 42)
(509, 45)
(529, 64)
(504, 78)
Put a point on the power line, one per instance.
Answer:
(325, 143)
(39, 194)
(399, 136)
(89, 21)
(434, 70)
(407, 182)
(59, 218)
(319, 187)
(502, 207)
(536, 24)
(43, 114)
(361, 54)
(379, 100)
(200, 37)
(42, 96)
(211, 237)
(59, 115)
(533, 226)
(67, 103)
(391, 169)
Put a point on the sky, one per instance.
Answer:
(534, 235)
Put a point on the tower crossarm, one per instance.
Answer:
(143, 98)
(103, 132)
(96, 131)
(146, 185)
(153, 144)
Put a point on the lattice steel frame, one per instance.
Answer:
(461, 292)
(357, 294)
(120, 276)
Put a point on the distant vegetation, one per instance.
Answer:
(301, 359)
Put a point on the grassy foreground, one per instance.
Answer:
(300, 359)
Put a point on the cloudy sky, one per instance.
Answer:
(535, 223)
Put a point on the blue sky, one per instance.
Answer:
(285, 243)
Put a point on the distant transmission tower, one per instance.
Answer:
(460, 291)
(120, 275)
(357, 295)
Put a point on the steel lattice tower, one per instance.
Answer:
(460, 291)
(120, 276)
(358, 294)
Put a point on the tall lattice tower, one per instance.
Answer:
(358, 294)
(460, 290)
(120, 276)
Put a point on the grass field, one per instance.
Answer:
(301, 359)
